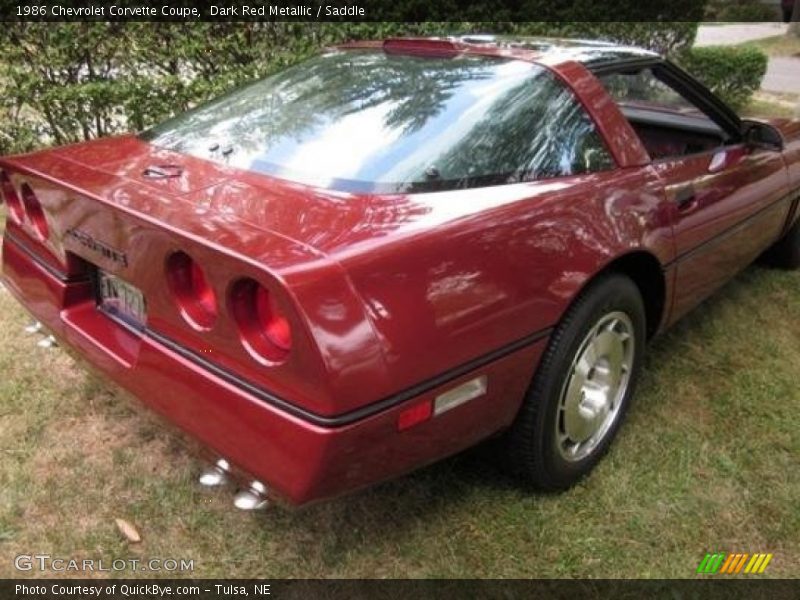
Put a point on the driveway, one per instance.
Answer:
(736, 33)
(783, 73)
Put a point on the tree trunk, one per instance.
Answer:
(794, 26)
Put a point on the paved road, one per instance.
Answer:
(736, 33)
(783, 73)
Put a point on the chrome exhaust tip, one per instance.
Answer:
(253, 498)
(216, 474)
(33, 327)
(47, 342)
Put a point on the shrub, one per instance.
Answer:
(734, 73)
(67, 82)
(741, 10)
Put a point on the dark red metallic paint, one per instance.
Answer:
(381, 292)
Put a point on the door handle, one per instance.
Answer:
(685, 197)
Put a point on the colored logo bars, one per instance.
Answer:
(733, 564)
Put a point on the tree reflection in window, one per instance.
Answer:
(368, 121)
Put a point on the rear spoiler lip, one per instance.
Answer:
(442, 48)
(408, 45)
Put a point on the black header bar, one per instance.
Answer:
(188, 11)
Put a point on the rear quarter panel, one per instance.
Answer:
(475, 270)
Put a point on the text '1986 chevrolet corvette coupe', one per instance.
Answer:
(386, 254)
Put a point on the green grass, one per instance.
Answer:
(779, 45)
(770, 104)
(707, 461)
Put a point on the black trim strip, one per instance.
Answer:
(24, 248)
(345, 418)
(360, 413)
(730, 230)
(614, 64)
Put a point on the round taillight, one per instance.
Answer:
(264, 330)
(191, 291)
(34, 211)
(11, 198)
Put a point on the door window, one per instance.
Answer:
(667, 123)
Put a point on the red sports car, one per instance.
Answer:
(386, 254)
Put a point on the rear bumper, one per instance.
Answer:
(298, 460)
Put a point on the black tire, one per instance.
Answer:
(785, 254)
(531, 447)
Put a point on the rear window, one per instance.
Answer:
(368, 121)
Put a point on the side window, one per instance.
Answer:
(667, 123)
(643, 89)
(564, 139)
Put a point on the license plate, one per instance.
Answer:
(121, 299)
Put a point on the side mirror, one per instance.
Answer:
(761, 136)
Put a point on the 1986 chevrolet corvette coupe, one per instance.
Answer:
(397, 249)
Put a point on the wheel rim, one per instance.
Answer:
(595, 387)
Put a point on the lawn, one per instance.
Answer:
(779, 45)
(773, 104)
(707, 461)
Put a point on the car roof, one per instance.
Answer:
(545, 50)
